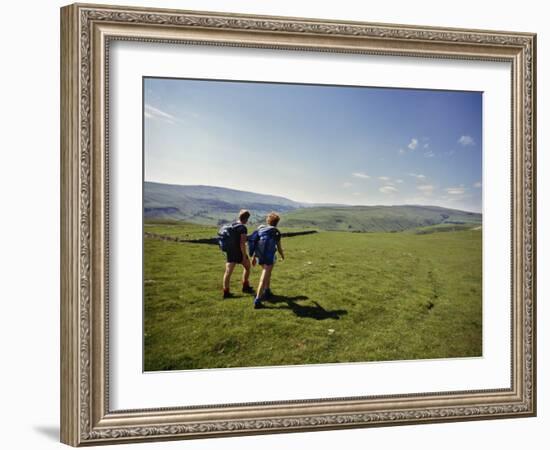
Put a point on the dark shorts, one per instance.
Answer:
(266, 260)
(235, 256)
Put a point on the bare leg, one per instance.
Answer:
(246, 270)
(268, 282)
(266, 273)
(259, 291)
(229, 267)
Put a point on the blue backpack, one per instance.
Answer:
(227, 236)
(263, 242)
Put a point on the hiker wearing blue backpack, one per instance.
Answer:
(232, 239)
(263, 245)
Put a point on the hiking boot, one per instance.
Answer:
(258, 304)
(248, 290)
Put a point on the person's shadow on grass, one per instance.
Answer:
(316, 312)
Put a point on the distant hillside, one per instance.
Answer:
(377, 218)
(208, 204)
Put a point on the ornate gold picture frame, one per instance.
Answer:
(87, 32)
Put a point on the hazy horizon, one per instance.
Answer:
(306, 203)
(356, 146)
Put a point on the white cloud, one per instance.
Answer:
(477, 184)
(425, 188)
(429, 154)
(456, 190)
(416, 200)
(154, 113)
(347, 184)
(413, 144)
(150, 112)
(360, 175)
(388, 189)
(418, 176)
(399, 180)
(356, 193)
(157, 112)
(466, 140)
(384, 178)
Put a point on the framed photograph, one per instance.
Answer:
(276, 224)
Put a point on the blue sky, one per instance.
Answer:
(319, 144)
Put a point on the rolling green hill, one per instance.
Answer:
(377, 218)
(207, 205)
(210, 205)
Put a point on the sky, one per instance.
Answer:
(316, 144)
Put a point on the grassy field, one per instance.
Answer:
(340, 297)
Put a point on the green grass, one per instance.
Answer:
(341, 297)
(180, 230)
(444, 227)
